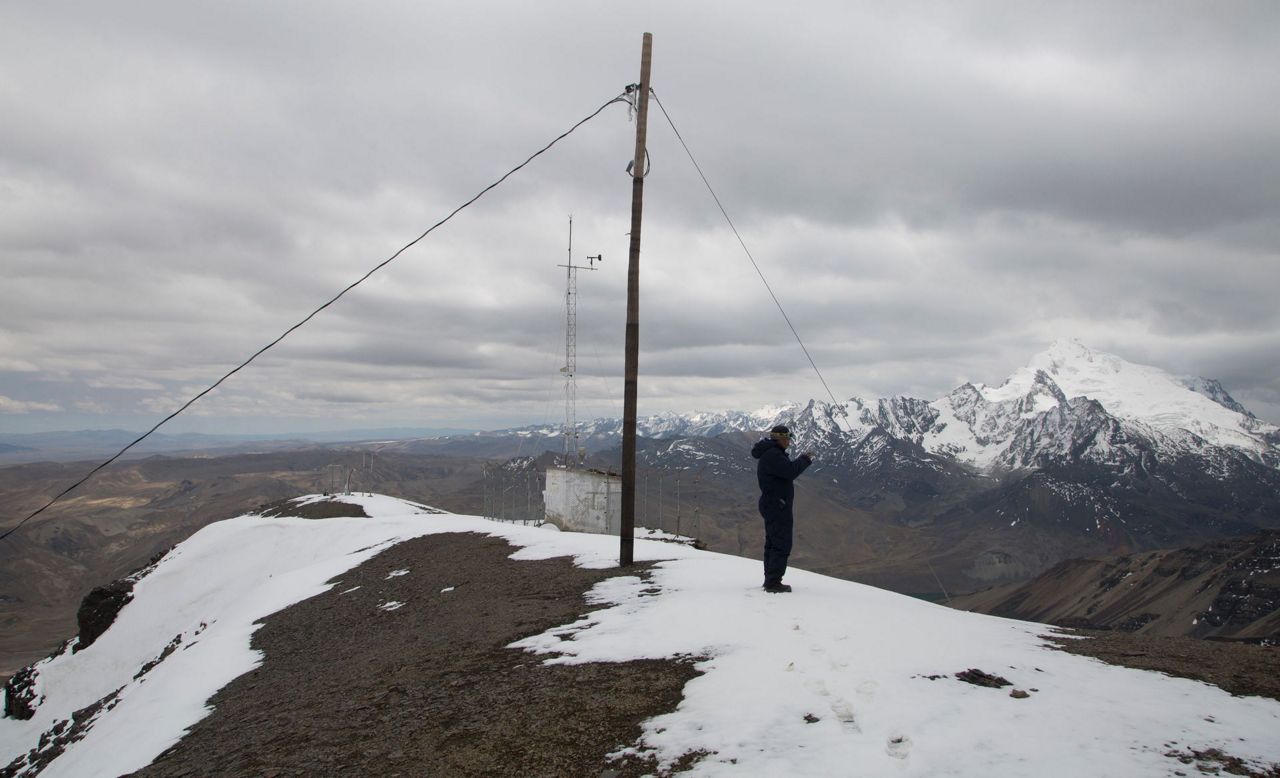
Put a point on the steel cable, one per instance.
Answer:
(620, 98)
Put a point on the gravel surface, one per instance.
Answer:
(428, 688)
(1238, 668)
(329, 508)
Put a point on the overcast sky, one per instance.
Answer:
(936, 192)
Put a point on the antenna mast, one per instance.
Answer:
(572, 452)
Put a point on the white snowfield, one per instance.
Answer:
(1147, 394)
(1158, 403)
(827, 681)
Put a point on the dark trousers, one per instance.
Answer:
(778, 521)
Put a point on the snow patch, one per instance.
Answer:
(810, 683)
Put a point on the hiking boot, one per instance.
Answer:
(777, 588)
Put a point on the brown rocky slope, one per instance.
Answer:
(1228, 589)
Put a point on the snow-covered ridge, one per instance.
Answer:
(1071, 390)
(668, 425)
(833, 675)
(1150, 395)
(1069, 400)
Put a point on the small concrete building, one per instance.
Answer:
(580, 500)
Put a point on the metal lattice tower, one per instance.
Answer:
(570, 369)
(571, 358)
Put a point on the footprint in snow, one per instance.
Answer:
(867, 690)
(816, 686)
(898, 746)
(844, 714)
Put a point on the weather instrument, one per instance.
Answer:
(574, 453)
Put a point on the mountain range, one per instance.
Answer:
(1069, 404)
(1078, 453)
(68, 446)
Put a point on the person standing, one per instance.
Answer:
(775, 472)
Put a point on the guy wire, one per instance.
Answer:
(743, 243)
(620, 98)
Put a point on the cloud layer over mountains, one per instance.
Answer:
(935, 193)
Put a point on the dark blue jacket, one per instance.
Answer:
(775, 472)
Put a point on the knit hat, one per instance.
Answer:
(780, 432)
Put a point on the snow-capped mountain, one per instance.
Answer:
(1077, 453)
(667, 425)
(834, 675)
(1070, 403)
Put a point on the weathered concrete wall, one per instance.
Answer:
(583, 500)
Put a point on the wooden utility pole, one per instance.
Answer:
(627, 530)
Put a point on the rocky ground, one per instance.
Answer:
(1239, 668)
(429, 688)
(131, 511)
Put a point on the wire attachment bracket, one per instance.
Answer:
(631, 93)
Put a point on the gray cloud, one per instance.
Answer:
(934, 191)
